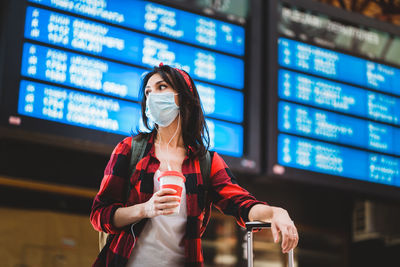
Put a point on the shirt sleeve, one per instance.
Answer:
(113, 189)
(227, 195)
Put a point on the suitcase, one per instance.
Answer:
(255, 226)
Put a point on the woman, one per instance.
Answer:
(141, 234)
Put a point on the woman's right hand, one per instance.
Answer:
(162, 202)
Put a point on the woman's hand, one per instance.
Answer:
(281, 223)
(161, 203)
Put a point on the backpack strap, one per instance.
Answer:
(137, 152)
(205, 168)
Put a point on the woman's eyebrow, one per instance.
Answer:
(160, 81)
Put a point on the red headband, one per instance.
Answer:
(184, 75)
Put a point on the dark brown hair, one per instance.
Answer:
(194, 129)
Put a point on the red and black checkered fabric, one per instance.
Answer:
(224, 193)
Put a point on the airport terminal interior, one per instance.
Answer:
(301, 99)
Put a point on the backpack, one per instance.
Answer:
(138, 148)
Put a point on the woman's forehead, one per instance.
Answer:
(154, 79)
(157, 78)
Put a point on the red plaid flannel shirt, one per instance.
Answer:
(224, 193)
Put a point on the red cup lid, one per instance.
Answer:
(172, 173)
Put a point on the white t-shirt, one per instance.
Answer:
(161, 241)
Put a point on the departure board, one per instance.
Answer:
(335, 101)
(82, 62)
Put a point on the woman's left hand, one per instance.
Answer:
(281, 223)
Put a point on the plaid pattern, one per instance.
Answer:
(225, 194)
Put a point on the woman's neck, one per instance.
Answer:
(170, 135)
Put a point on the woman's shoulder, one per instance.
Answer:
(124, 146)
(127, 141)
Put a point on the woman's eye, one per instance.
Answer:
(163, 86)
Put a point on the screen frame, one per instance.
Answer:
(273, 169)
(54, 133)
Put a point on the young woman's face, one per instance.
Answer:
(156, 84)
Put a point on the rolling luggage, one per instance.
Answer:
(253, 226)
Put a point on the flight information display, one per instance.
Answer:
(82, 63)
(160, 20)
(338, 104)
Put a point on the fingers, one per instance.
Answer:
(290, 238)
(165, 202)
(285, 239)
(167, 206)
(282, 222)
(295, 236)
(166, 191)
(167, 198)
(164, 208)
(275, 233)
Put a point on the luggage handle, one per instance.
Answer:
(254, 226)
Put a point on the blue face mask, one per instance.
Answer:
(161, 108)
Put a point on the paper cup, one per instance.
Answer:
(174, 180)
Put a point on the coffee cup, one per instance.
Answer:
(173, 180)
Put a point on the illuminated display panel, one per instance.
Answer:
(77, 108)
(160, 20)
(131, 47)
(81, 63)
(335, 97)
(113, 79)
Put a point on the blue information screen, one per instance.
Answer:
(160, 20)
(82, 72)
(302, 153)
(77, 108)
(337, 113)
(131, 47)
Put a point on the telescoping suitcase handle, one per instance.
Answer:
(251, 227)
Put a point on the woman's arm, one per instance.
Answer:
(226, 194)
(232, 199)
(161, 203)
(128, 215)
(111, 195)
(280, 222)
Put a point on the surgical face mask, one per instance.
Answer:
(161, 108)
